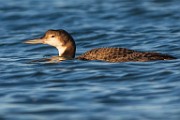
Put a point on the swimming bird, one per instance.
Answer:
(66, 47)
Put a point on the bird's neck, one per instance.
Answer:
(61, 50)
(67, 51)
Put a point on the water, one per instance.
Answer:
(89, 90)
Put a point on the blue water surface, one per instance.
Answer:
(89, 90)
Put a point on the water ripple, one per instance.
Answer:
(90, 90)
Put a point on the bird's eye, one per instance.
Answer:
(52, 36)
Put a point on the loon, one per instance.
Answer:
(66, 47)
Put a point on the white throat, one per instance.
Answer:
(61, 50)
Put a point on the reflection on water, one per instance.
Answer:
(53, 59)
(33, 88)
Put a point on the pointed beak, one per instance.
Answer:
(35, 41)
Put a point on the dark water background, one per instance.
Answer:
(89, 90)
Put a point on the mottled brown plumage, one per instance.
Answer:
(122, 55)
(66, 46)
